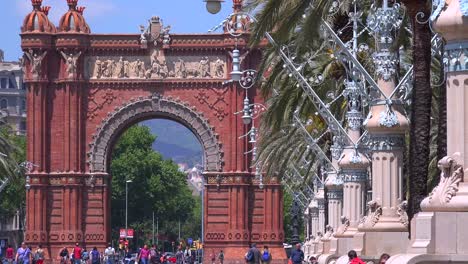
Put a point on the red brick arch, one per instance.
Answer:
(84, 89)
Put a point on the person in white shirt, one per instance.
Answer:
(109, 254)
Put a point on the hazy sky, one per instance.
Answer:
(111, 16)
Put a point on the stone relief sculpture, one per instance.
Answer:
(450, 178)
(36, 62)
(156, 66)
(181, 70)
(401, 211)
(328, 232)
(219, 66)
(318, 237)
(344, 225)
(373, 215)
(204, 67)
(71, 61)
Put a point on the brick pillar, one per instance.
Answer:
(37, 138)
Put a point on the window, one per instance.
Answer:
(3, 83)
(3, 103)
(23, 105)
(35, 22)
(12, 85)
(22, 126)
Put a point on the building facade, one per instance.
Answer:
(12, 95)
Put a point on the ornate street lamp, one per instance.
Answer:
(295, 210)
(213, 6)
(28, 183)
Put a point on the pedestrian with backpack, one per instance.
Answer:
(266, 255)
(253, 255)
(85, 256)
(95, 256)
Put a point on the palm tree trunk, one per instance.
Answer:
(442, 125)
(421, 107)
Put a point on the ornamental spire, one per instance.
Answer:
(36, 4)
(45, 10)
(237, 5)
(72, 4)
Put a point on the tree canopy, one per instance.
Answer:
(157, 185)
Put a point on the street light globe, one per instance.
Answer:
(246, 119)
(213, 6)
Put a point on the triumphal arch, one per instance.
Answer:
(84, 90)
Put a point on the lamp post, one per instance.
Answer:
(126, 207)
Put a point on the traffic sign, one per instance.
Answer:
(129, 233)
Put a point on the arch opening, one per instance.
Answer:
(152, 107)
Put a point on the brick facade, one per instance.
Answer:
(89, 88)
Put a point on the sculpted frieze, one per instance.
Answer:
(156, 66)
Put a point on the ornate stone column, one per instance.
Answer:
(314, 217)
(320, 196)
(439, 232)
(334, 187)
(387, 126)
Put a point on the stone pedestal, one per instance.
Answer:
(439, 233)
(320, 196)
(335, 200)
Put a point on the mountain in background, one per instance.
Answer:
(175, 141)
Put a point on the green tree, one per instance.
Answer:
(157, 185)
(14, 147)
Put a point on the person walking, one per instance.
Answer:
(221, 257)
(109, 254)
(10, 254)
(39, 255)
(95, 256)
(77, 254)
(266, 255)
(297, 255)
(154, 256)
(23, 255)
(187, 255)
(144, 254)
(85, 256)
(213, 257)
(179, 256)
(253, 255)
(353, 258)
(63, 255)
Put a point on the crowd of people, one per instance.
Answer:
(152, 255)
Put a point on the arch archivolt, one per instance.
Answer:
(150, 107)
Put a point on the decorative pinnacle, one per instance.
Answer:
(45, 10)
(237, 5)
(81, 9)
(72, 3)
(36, 4)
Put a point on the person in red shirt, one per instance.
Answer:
(77, 254)
(353, 258)
(10, 254)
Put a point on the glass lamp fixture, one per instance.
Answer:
(236, 73)
(246, 116)
(213, 6)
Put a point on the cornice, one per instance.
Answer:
(138, 83)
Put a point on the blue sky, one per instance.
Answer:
(111, 16)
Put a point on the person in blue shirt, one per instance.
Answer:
(297, 255)
(23, 254)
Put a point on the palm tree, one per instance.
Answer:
(420, 127)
